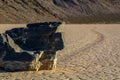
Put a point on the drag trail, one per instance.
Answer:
(82, 42)
(77, 40)
(94, 55)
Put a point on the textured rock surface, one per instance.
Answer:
(30, 48)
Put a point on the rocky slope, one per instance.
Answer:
(24, 11)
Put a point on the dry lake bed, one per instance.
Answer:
(91, 52)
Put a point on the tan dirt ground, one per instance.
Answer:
(92, 52)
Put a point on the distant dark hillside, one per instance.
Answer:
(72, 11)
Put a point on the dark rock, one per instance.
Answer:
(30, 48)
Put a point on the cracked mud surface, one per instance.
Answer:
(91, 53)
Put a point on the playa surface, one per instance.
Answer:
(92, 52)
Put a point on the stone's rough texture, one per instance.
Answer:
(30, 48)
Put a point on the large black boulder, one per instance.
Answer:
(31, 48)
